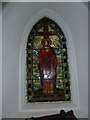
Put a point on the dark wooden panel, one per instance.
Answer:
(62, 116)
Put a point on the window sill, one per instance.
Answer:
(42, 109)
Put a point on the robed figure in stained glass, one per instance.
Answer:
(47, 63)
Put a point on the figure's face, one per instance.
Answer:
(46, 43)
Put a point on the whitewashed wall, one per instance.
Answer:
(0, 60)
(15, 18)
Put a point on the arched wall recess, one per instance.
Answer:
(52, 107)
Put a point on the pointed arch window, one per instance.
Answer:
(57, 88)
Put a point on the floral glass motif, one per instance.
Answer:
(47, 28)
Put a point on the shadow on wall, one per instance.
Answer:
(4, 4)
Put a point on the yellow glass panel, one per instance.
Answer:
(55, 41)
(50, 28)
(37, 42)
(40, 29)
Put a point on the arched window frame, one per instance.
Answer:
(59, 47)
(72, 63)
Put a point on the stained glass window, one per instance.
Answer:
(43, 29)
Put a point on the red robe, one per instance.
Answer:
(47, 62)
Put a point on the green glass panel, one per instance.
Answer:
(37, 42)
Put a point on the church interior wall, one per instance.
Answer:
(15, 17)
